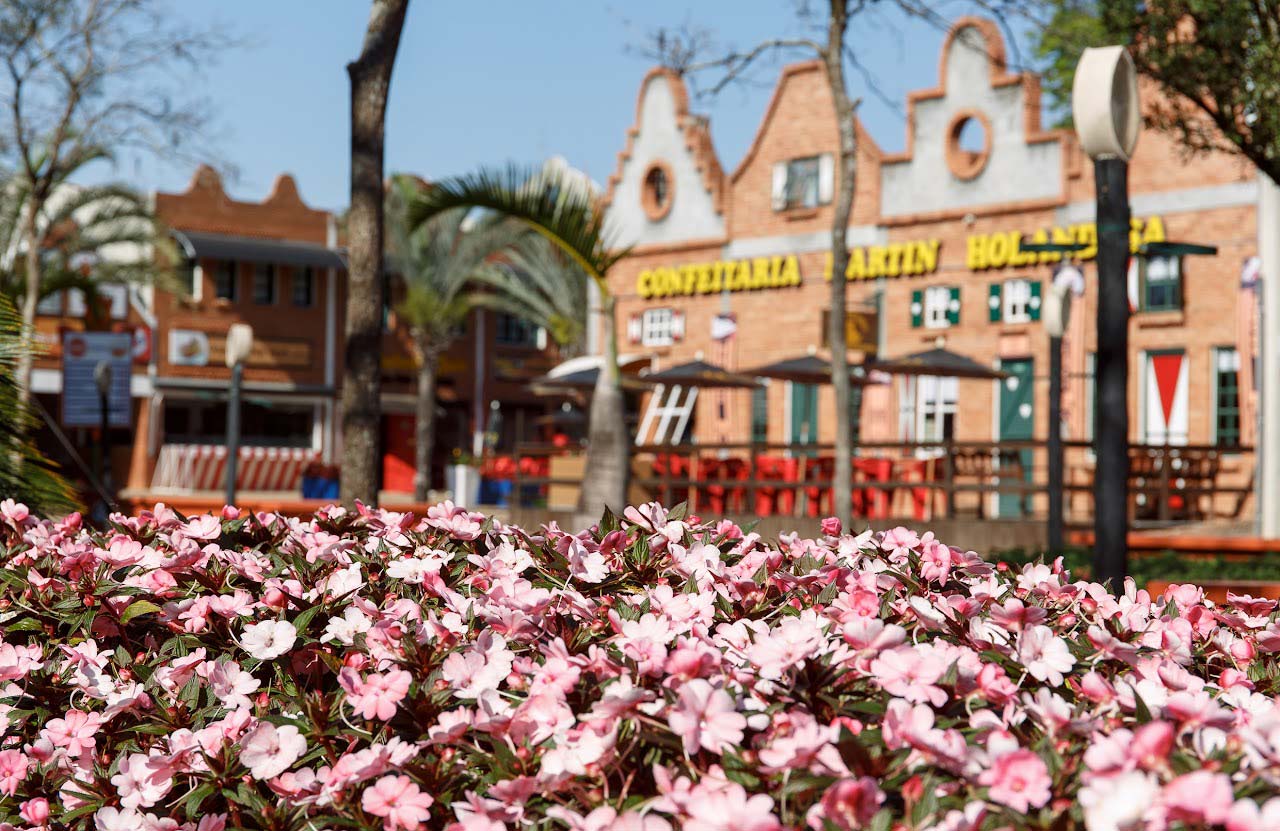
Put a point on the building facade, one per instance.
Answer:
(733, 265)
(277, 265)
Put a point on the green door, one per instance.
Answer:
(1017, 421)
(804, 413)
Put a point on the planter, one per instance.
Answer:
(463, 481)
(1216, 590)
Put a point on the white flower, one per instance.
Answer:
(116, 819)
(1118, 803)
(586, 566)
(268, 751)
(344, 629)
(1044, 654)
(412, 569)
(269, 639)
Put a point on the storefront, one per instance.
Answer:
(937, 261)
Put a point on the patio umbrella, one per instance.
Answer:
(938, 362)
(583, 380)
(703, 375)
(809, 369)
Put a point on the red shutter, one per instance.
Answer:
(677, 326)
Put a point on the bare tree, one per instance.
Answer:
(81, 79)
(370, 75)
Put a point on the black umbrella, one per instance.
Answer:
(809, 369)
(702, 374)
(938, 362)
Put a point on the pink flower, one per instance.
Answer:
(705, 717)
(454, 521)
(1044, 654)
(1019, 780)
(204, 527)
(35, 811)
(74, 732)
(13, 769)
(727, 808)
(909, 673)
(1247, 815)
(848, 804)
(269, 751)
(1201, 796)
(376, 696)
(399, 801)
(143, 780)
(831, 526)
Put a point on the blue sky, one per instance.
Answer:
(489, 82)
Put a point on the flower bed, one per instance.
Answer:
(376, 670)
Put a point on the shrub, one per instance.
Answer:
(374, 670)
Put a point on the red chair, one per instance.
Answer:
(872, 503)
(738, 470)
(711, 495)
(820, 471)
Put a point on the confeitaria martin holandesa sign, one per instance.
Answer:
(1000, 249)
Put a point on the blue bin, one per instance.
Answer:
(495, 491)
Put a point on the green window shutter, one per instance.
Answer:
(953, 306)
(993, 303)
(917, 308)
(1035, 304)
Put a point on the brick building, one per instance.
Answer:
(935, 241)
(278, 266)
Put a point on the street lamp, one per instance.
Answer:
(239, 345)
(102, 380)
(1104, 103)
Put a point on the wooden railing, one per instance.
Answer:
(921, 480)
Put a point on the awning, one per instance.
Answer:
(198, 245)
(809, 369)
(584, 380)
(702, 374)
(938, 362)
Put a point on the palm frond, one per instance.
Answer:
(551, 202)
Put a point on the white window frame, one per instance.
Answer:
(657, 327)
(935, 398)
(937, 303)
(1015, 297)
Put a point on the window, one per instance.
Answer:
(855, 413)
(515, 331)
(264, 284)
(189, 275)
(655, 195)
(303, 286)
(941, 306)
(1014, 301)
(50, 304)
(660, 327)
(1164, 397)
(226, 280)
(1226, 397)
(935, 408)
(1161, 283)
(802, 183)
(1091, 395)
(760, 415)
(263, 423)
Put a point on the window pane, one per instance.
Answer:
(802, 183)
(264, 284)
(760, 415)
(225, 280)
(302, 286)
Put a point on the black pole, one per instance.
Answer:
(233, 430)
(1055, 446)
(1111, 441)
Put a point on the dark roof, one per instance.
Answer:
(938, 362)
(200, 245)
(702, 374)
(808, 369)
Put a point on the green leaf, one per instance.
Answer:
(138, 607)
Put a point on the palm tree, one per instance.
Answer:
(452, 267)
(25, 475)
(565, 210)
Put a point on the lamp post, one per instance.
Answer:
(1057, 311)
(1104, 103)
(239, 345)
(102, 380)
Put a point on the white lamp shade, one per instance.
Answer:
(1104, 103)
(239, 343)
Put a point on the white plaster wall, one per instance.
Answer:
(693, 214)
(1015, 171)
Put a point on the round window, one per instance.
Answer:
(968, 144)
(656, 191)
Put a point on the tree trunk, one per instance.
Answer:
(604, 483)
(370, 76)
(842, 492)
(425, 421)
(31, 298)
